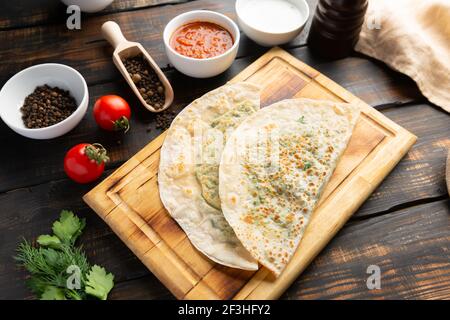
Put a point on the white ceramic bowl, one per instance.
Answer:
(89, 5)
(14, 92)
(265, 38)
(201, 68)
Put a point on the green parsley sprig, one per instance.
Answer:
(49, 264)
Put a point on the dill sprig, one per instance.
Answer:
(49, 263)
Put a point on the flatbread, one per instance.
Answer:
(188, 172)
(273, 170)
(207, 172)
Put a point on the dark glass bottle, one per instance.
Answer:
(336, 26)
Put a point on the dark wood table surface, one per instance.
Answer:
(404, 227)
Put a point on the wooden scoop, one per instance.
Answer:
(126, 49)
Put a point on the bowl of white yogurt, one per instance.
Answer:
(272, 22)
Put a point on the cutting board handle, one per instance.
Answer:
(112, 33)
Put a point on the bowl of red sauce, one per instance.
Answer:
(201, 43)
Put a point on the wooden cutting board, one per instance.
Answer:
(128, 200)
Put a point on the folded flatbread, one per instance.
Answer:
(188, 174)
(273, 170)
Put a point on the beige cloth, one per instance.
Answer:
(413, 37)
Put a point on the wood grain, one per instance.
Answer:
(26, 13)
(447, 172)
(420, 175)
(144, 288)
(410, 247)
(122, 199)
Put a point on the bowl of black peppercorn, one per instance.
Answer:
(44, 101)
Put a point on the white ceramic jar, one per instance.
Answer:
(16, 89)
(89, 5)
(272, 22)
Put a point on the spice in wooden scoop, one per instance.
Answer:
(47, 106)
(146, 80)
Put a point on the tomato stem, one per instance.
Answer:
(97, 153)
(122, 124)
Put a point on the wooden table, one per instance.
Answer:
(404, 227)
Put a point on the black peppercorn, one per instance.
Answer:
(164, 119)
(47, 106)
(146, 80)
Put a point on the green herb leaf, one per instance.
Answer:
(74, 295)
(307, 165)
(46, 240)
(99, 283)
(301, 120)
(51, 257)
(49, 266)
(48, 263)
(53, 293)
(36, 285)
(68, 227)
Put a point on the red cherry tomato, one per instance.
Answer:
(85, 162)
(112, 113)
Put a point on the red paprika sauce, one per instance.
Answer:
(201, 40)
